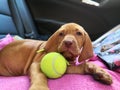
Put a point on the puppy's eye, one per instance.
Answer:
(78, 33)
(61, 34)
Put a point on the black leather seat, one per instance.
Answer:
(15, 19)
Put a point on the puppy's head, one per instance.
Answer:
(71, 40)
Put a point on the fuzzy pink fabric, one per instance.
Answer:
(3, 42)
(67, 82)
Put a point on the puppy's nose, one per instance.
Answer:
(68, 43)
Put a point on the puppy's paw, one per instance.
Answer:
(38, 88)
(98, 73)
(103, 77)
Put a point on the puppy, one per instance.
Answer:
(71, 40)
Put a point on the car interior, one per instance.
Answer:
(39, 19)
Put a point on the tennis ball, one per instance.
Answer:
(53, 65)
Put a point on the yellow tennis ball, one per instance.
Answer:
(53, 65)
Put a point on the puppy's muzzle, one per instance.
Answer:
(68, 43)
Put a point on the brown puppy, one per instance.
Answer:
(71, 40)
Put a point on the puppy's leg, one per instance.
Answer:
(98, 73)
(38, 79)
(79, 69)
(89, 68)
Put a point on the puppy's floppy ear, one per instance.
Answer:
(87, 50)
(52, 43)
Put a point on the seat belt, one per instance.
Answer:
(30, 29)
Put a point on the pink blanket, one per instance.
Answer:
(67, 82)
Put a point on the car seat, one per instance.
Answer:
(16, 19)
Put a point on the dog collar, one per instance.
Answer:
(41, 50)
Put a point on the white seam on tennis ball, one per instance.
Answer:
(53, 64)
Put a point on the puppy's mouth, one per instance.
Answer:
(70, 56)
(70, 50)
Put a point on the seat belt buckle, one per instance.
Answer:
(30, 35)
